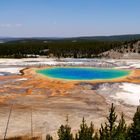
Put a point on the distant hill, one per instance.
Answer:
(98, 38)
(124, 46)
(113, 38)
(7, 39)
(129, 50)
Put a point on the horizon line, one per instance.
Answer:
(68, 36)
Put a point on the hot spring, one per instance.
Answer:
(78, 73)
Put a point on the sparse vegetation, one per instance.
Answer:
(110, 130)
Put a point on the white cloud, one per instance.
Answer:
(8, 25)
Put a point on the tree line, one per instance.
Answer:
(110, 130)
(56, 48)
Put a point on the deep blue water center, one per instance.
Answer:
(74, 73)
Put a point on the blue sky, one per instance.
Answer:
(66, 18)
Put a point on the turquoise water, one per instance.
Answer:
(83, 73)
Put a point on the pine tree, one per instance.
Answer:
(64, 132)
(134, 132)
(111, 120)
(107, 132)
(85, 132)
(121, 131)
(104, 132)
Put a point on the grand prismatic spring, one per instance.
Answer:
(77, 73)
